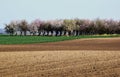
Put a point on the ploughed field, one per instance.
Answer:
(60, 64)
(76, 58)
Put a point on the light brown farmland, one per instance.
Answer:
(96, 62)
(60, 64)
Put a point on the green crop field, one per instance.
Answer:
(6, 39)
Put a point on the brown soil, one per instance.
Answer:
(79, 63)
(81, 44)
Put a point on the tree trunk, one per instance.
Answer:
(21, 33)
(60, 33)
(25, 33)
(56, 33)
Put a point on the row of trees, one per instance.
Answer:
(61, 27)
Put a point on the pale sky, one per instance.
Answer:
(58, 9)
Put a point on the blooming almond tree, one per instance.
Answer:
(33, 27)
(57, 26)
(23, 25)
(12, 27)
(100, 28)
(69, 26)
(9, 29)
(16, 26)
(38, 23)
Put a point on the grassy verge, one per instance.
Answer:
(6, 39)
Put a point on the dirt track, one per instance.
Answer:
(81, 44)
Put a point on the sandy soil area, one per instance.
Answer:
(60, 64)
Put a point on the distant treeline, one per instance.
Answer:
(69, 27)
